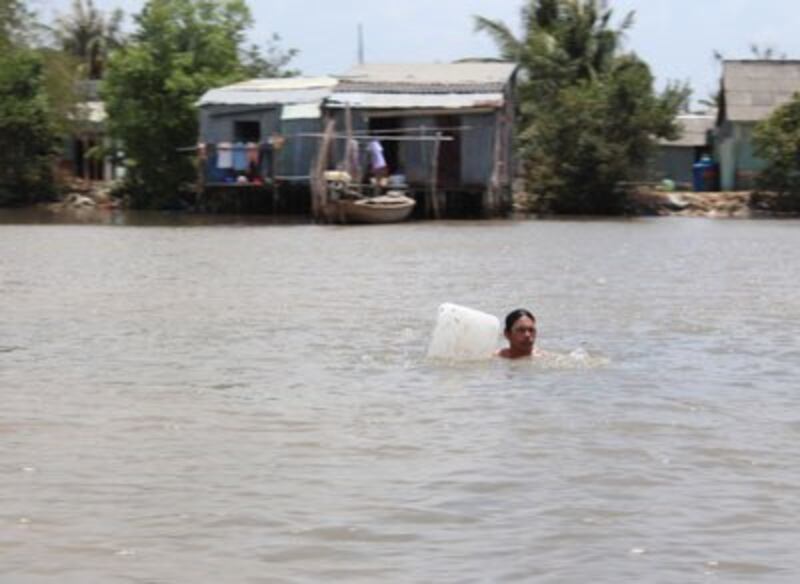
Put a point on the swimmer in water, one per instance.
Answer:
(521, 334)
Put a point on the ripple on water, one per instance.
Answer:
(241, 403)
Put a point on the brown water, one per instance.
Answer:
(237, 402)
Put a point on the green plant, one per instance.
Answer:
(777, 141)
(180, 49)
(589, 114)
(27, 136)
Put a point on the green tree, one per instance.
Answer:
(271, 62)
(589, 114)
(181, 49)
(596, 136)
(777, 141)
(89, 35)
(15, 23)
(27, 136)
(27, 131)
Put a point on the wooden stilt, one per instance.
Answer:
(435, 177)
(493, 192)
(319, 194)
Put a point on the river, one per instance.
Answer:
(227, 400)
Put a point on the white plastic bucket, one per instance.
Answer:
(463, 334)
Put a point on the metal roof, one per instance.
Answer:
(416, 100)
(694, 130)
(420, 85)
(289, 90)
(754, 88)
(463, 77)
(301, 111)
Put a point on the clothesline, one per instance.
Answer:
(356, 136)
(381, 138)
(415, 130)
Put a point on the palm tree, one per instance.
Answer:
(90, 35)
(538, 17)
(563, 40)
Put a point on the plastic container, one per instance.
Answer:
(397, 181)
(704, 175)
(463, 334)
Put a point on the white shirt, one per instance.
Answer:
(376, 155)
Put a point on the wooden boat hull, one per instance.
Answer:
(384, 209)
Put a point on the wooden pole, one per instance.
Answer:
(351, 158)
(425, 161)
(202, 161)
(273, 161)
(435, 176)
(318, 186)
(85, 161)
(497, 167)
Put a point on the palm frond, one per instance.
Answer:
(508, 45)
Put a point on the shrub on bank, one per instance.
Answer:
(777, 140)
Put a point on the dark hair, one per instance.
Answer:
(515, 315)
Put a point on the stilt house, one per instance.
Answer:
(253, 151)
(446, 129)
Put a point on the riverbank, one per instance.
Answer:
(85, 197)
(722, 204)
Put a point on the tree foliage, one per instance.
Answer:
(27, 131)
(589, 114)
(27, 137)
(273, 61)
(181, 48)
(15, 23)
(89, 35)
(777, 141)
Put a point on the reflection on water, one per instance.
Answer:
(241, 402)
(103, 216)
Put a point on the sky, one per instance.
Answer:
(677, 38)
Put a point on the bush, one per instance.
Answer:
(777, 141)
(594, 136)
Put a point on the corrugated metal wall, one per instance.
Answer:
(477, 149)
(674, 163)
(216, 122)
(297, 154)
(739, 165)
(417, 157)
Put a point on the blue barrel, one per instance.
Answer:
(704, 175)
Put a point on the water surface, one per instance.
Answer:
(230, 401)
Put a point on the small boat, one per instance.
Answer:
(392, 207)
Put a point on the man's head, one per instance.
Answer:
(520, 332)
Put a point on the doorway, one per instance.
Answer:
(391, 148)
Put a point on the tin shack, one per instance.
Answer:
(675, 159)
(254, 150)
(751, 91)
(446, 130)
